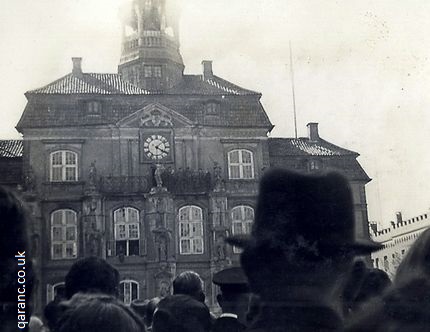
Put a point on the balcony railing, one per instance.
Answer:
(125, 184)
(179, 182)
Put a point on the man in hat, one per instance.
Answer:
(233, 300)
(300, 250)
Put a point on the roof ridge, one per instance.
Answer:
(339, 147)
(235, 85)
(49, 84)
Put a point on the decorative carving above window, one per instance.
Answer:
(156, 119)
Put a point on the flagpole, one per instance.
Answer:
(293, 90)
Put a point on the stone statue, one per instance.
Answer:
(162, 249)
(218, 180)
(92, 175)
(220, 247)
(159, 169)
(29, 179)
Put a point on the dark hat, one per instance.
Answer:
(231, 280)
(311, 212)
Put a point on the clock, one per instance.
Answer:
(156, 147)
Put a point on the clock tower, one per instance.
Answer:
(150, 56)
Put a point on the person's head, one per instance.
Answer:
(373, 285)
(92, 275)
(303, 236)
(15, 260)
(181, 313)
(235, 295)
(139, 307)
(97, 312)
(416, 263)
(189, 283)
(145, 309)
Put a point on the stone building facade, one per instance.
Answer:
(150, 168)
(396, 240)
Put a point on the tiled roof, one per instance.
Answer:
(113, 84)
(91, 83)
(304, 147)
(196, 85)
(10, 148)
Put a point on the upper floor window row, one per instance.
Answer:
(241, 164)
(152, 71)
(63, 166)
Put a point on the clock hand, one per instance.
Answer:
(157, 148)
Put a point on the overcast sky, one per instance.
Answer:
(362, 71)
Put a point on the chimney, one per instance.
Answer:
(77, 66)
(207, 70)
(399, 217)
(313, 131)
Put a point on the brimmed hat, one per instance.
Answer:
(314, 213)
(231, 280)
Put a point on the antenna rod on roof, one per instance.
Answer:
(293, 89)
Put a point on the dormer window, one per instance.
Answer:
(94, 108)
(211, 113)
(212, 109)
(315, 165)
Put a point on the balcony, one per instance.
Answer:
(124, 184)
(176, 182)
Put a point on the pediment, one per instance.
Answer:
(155, 115)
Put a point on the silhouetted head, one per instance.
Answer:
(16, 267)
(416, 263)
(97, 312)
(181, 313)
(92, 275)
(189, 283)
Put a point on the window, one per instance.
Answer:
(147, 71)
(64, 166)
(212, 109)
(64, 234)
(128, 291)
(156, 71)
(190, 230)
(242, 218)
(127, 231)
(240, 164)
(94, 108)
(152, 71)
(315, 165)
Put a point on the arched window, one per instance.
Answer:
(242, 217)
(128, 291)
(240, 164)
(64, 166)
(55, 291)
(127, 231)
(64, 234)
(190, 230)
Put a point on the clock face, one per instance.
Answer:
(156, 147)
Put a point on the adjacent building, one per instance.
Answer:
(150, 168)
(396, 240)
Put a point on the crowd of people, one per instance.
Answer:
(302, 270)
